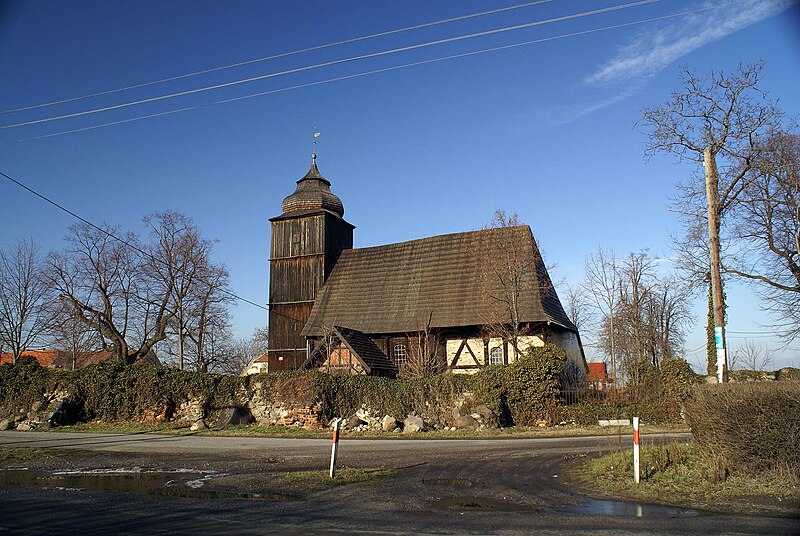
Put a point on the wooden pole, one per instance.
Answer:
(712, 198)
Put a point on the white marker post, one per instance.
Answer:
(636, 449)
(337, 424)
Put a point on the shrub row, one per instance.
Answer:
(747, 426)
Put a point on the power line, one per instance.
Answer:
(333, 62)
(112, 235)
(280, 55)
(371, 72)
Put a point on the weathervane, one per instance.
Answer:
(314, 147)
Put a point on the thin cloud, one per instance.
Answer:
(652, 51)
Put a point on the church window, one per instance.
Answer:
(496, 356)
(400, 356)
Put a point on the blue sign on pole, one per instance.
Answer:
(718, 337)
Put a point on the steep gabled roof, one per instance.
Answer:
(366, 350)
(456, 280)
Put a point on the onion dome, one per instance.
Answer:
(313, 192)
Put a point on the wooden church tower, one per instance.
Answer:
(306, 242)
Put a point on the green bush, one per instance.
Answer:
(676, 377)
(525, 391)
(747, 426)
(22, 384)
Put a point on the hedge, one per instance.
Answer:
(750, 426)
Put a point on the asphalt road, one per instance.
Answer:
(509, 486)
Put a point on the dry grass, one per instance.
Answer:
(24, 454)
(344, 475)
(292, 431)
(681, 474)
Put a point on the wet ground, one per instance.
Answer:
(152, 484)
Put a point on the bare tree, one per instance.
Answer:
(510, 270)
(425, 356)
(768, 229)
(715, 121)
(26, 298)
(578, 306)
(71, 335)
(602, 285)
(126, 290)
(752, 356)
(237, 354)
(205, 312)
(261, 340)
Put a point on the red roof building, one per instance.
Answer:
(63, 360)
(597, 377)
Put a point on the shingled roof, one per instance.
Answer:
(365, 349)
(455, 279)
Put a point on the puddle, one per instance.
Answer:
(170, 484)
(478, 504)
(628, 509)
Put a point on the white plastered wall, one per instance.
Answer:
(476, 345)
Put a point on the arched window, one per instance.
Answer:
(496, 356)
(400, 356)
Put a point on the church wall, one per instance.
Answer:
(298, 236)
(482, 349)
(575, 369)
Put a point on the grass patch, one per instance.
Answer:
(24, 454)
(126, 428)
(682, 474)
(344, 475)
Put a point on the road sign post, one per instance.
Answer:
(337, 424)
(636, 449)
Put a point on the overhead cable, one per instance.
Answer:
(365, 73)
(112, 235)
(277, 56)
(333, 62)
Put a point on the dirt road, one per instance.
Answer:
(101, 484)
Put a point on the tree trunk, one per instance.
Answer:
(712, 196)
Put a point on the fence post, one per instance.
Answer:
(337, 424)
(636, 449)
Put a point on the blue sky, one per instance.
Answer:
(546, 129)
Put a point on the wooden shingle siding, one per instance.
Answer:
(397, 287)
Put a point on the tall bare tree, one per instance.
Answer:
(71, 335)
(602, 285)
(425, 352)
(768, 229)
(123, 288)
(716, 121)
(578, 306)
(207, 315)
(26, 298)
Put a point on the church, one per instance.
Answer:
(458, 301)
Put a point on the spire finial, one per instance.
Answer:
(314, 147)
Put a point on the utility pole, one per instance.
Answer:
(712, 198)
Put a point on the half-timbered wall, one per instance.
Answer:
(468, 354)
(342, 361)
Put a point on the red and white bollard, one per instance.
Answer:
(337, 424)
(636, 449)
